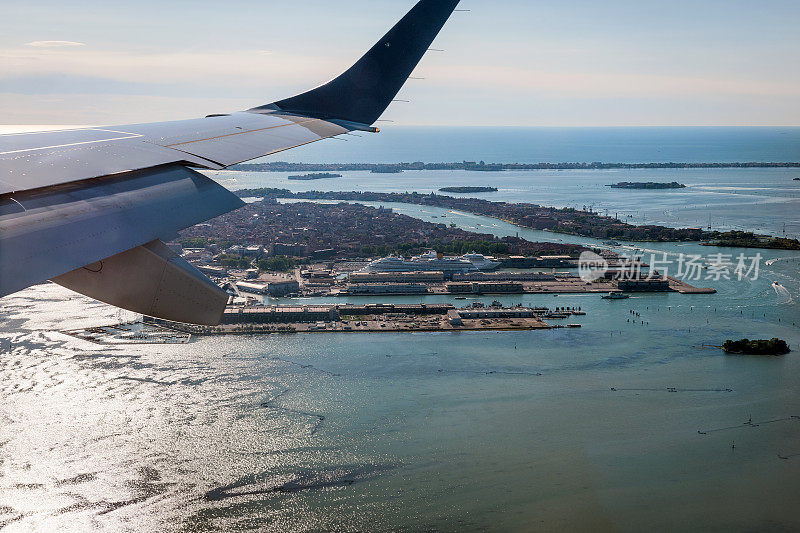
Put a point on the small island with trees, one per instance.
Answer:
(646, 185)
(316, 176)
(386, 170)
(747, 239)
(464, 190)
(773, 346)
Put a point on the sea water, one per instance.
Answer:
(634, 420)
(395, 144)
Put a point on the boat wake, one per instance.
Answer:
(770, 262)
(782, 292)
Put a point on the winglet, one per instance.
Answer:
(367, 88)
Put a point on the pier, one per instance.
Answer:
(373, 318)
(682, 287)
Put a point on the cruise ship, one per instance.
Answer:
(480, 261)
(432, 261)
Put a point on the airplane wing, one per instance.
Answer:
(89, 208)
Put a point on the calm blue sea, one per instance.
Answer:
(396, 144)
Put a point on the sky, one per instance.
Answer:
(505, 62)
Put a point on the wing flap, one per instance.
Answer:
(49, 232)
(152, 280)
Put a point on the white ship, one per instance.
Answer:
(432, 261)
(615, 296)
(480, 261)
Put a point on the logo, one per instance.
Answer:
(591, 266)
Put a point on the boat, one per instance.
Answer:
(615, 296)
(432, 261)
(480, 261)
(421, 263)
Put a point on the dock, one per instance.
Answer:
(684, 288)
(373, 318)
(129, 333)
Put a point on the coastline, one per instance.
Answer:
(565, 221)
(282, 166)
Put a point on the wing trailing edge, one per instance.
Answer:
(47, 232)
(151, 280)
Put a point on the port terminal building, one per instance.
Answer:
(644, 285)
(217, 272)
(279, 314)
(397, 277)
(386, 288)
(456, 316)
(270, 285)
(545, 261)
(321, 313)
(489, 287)
(511, 276)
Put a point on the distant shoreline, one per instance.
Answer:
(467, 190)
(309, 177)
(567, 220)
(646, 185)
(281, 166)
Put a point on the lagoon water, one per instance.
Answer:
(615, 426)
(761, 200)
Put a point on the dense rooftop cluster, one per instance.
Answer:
(353, 230)
(572, 221)
(566, 220)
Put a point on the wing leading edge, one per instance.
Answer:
(73, 198)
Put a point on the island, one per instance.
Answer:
(584, 222)
(463, 190)
(746, 239)
(264, 192)
(345, 231)
(386, 170)
(283, 166)
(773, 346)
(317, 176)
(646, 185)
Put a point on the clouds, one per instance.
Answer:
(583, 84)
(510, 62)
(212, 68)
(54, 44)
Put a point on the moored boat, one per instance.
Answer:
(615, 296)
